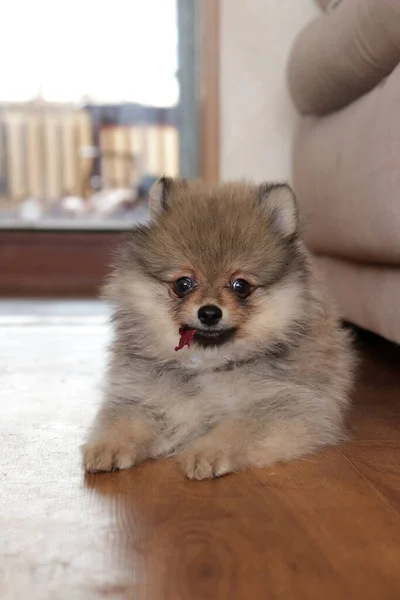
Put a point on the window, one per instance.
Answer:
(91, 113)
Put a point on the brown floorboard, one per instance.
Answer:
(326, 527)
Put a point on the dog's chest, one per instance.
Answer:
(210, 397)
(209, 400)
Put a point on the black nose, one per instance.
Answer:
(209, 314)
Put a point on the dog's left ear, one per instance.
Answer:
(162, 191)
(279, 202)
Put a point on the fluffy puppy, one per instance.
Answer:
(263, 370)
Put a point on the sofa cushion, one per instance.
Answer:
(346, 173)
(344, 54)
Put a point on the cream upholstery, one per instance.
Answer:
(344, 76)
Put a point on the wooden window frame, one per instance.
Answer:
(208, 17)
(74, 263)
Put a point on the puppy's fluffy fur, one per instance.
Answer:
(269, 382)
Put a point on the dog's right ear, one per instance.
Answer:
(161, 193)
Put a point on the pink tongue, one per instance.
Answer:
(186, 338)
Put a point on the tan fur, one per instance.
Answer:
(277, 390)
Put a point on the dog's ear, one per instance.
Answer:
(162, 191)
(280, 205)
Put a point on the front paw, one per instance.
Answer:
(205, 463)
(107, 455)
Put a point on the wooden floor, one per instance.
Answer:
(324, 528)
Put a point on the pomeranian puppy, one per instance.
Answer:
(226, 351)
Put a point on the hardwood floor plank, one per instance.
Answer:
(379, 464)
(295, 532)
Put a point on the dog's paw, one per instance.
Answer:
(205, 463)
(108, 456)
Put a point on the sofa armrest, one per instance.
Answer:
(343, 54)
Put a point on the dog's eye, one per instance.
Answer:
(183, 285)
(241, 287)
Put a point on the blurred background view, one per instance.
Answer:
(88, 108)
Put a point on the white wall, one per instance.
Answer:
(257, 118)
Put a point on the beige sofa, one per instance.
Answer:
(344, 78)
